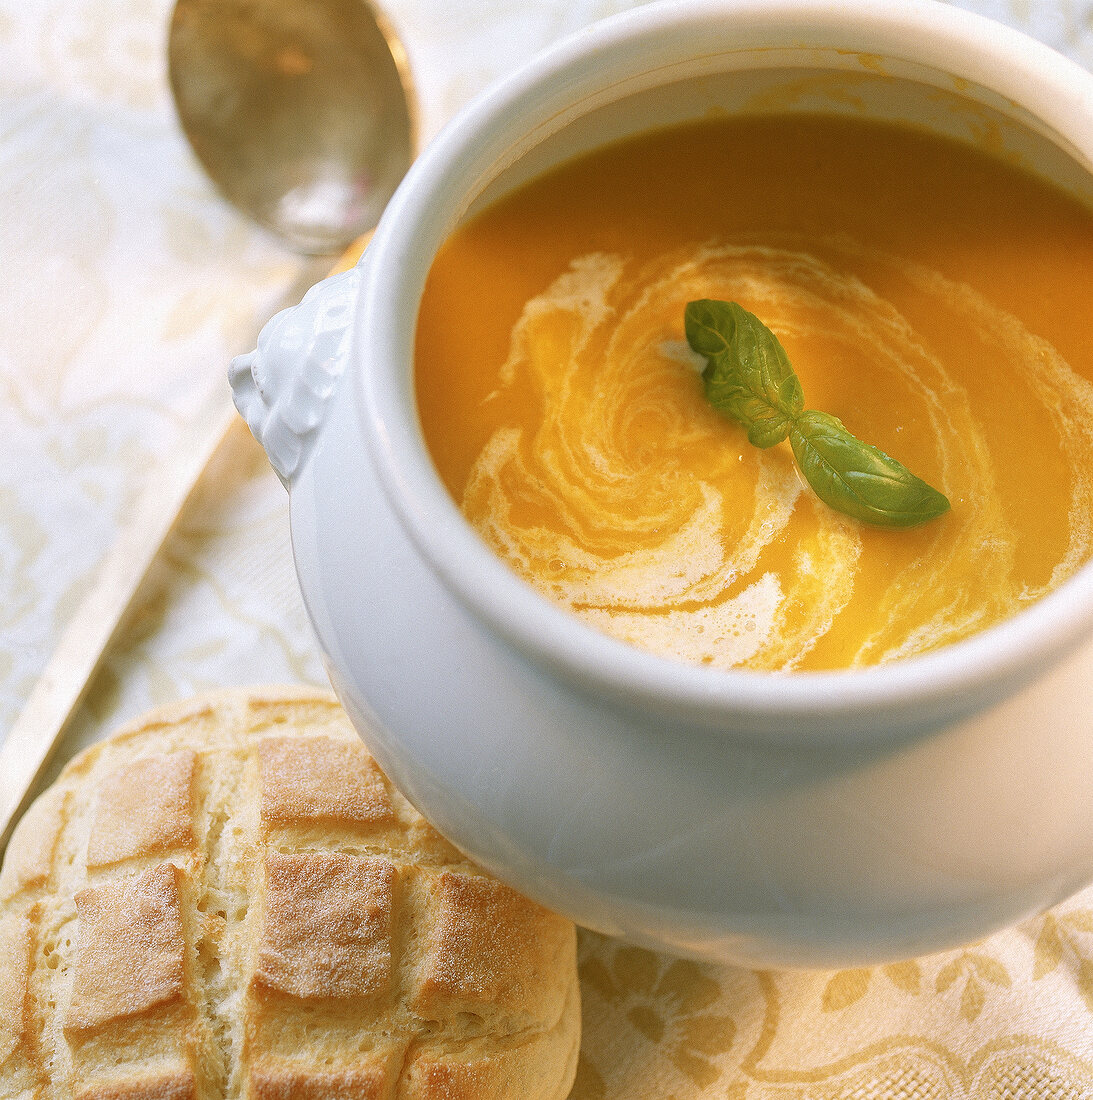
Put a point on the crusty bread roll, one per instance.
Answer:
(227, 898)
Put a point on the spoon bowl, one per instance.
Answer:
(302, 112)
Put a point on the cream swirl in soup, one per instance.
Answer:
(589, 459)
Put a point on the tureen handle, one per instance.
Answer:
(282, 387)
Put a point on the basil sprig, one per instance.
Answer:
(749, 379)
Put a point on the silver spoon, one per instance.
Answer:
(302, 112)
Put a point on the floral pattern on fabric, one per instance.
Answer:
(128, 286)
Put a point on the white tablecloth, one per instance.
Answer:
(126, 287)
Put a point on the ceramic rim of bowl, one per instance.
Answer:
(868, 703)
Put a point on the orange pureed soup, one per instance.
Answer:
(933, 298)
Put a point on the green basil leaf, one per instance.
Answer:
(748, 376)
(859, 479)
(710, 326)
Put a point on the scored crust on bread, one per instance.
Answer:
(227, 898)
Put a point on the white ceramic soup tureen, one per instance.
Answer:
(801, 819)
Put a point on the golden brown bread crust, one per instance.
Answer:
(344, 902)
(132, 950)
(179, 1085)
(122, 828)
(228, 899)
(15, 947)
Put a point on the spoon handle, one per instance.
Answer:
(31, 741)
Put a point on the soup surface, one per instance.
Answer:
(933, 298)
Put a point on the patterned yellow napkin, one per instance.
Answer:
(1009, 1018)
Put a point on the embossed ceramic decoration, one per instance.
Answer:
(808, 819)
